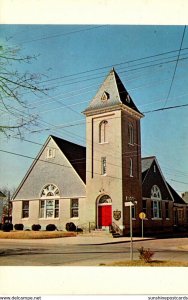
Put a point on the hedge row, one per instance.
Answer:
(36, 227)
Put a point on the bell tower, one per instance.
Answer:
(113, 156)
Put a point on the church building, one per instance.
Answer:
(102, 185)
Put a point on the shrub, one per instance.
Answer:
(18, 226)
(51, 227)
(70, 226)
(79, 229)
(145, 254)
(7, 227)
(36, 227)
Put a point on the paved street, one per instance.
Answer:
(86, 251)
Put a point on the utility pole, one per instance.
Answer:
(8, 204)
(131, 203)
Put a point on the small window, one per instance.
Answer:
(103, 166)
(154, 168)
(25, 209)
(103, 132)
(133, 212)
(131, 167)
(105, 199)
(155, 192)
(156, 209)
(105, 97)
(50, 153)
(131, 134)
(74, 208)
(144, 206)
(49, 209)
(167, 210)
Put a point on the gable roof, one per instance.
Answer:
(177, 198)
(73, 152)
(146, 163)
(118, 95)
(76, 155)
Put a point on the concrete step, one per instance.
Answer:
(99, 233)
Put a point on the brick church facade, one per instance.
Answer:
(90, 186)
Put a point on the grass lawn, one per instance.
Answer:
(153, 263)
(35, 234)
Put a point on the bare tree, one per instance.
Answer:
(14, 85)
(7, 205)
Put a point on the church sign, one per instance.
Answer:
(117, 214)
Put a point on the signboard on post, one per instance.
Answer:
(131, 203)
(142, 216)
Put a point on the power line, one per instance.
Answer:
(62, 165)
(115, 65)
(49, 162)
(173, 77)
(62, 34)
(165, 108)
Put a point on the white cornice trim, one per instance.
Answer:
(113, 108)
(53, 198)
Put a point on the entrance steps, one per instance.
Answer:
(99, 233)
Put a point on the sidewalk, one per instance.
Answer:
(77, 240)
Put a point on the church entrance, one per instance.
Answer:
(104, 211)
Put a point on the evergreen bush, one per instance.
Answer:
(51, 227)
(70, 226)
(36, 227)
(7, 227)
(19, 226)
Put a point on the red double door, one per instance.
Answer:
(104, 215)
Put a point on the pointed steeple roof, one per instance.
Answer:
(111, 93)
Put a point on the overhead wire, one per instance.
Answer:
(174, 73)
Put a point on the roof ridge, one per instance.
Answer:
(146, 157)
(66, 141)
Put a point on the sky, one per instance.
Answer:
(73, 61)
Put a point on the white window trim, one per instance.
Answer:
(103, 172)
(131, 167)
(130, 134)
(25, 210)
(103, 137)
(45, 216)
(71, 209)
(158, 209)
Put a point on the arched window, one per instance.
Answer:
(131, 134)
(156, 202)
(155, 192)
(103, 132)
(105, 199)
(131, 167)
(49, 203)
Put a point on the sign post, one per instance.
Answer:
(131, 203)
(142, 216)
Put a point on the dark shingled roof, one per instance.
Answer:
(177, 198)
(118, 94)
(76, 155)
(146, 164)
